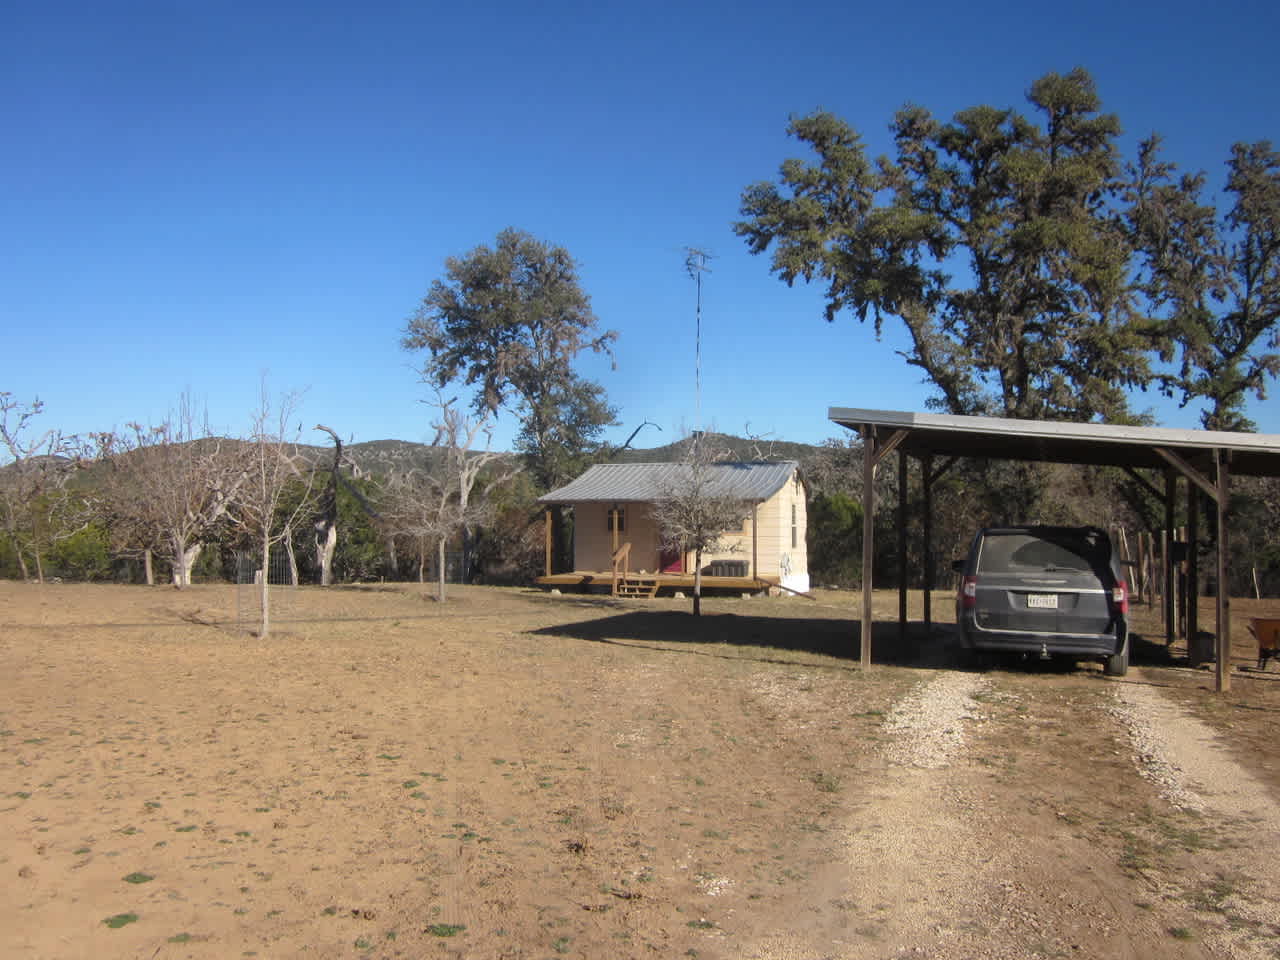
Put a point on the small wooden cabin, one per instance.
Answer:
(615, 537)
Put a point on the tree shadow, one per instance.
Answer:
(836, 638)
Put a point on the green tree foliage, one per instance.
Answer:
(1212, 279)
(835, 540)
(991, 237)
(510, 321)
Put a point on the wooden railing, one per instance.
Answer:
(621, 562)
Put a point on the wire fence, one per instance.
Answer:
(281, 586)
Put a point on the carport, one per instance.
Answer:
(1205, 459)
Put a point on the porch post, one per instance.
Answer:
(546, 548)
(755, 544)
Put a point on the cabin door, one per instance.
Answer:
(670, 561)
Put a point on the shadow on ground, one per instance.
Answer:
(840, 639)
(661, 629)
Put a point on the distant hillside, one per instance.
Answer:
(739, 448)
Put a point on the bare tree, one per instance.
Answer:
(170, 484)
(36, 508)
(433, 506)
(272, 461)
(692, 511)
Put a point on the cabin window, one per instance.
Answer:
(620, 514)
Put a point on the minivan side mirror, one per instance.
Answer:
(957, 566)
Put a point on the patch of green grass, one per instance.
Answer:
(364, 943)
(121, 920)
(330, 911)
(21, 795)
(81, 851)
(180, 938)
(187, 829)
(561, 945)
(410, 784)
(1181, 933)
(826, 782)
(1210, 896)
(700, 925)
(243, 833)
(445, 929)
(138, 877)
(129, 831)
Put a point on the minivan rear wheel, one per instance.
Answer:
(1117, 665)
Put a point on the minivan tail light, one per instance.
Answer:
(1120, 595)
(969, 592)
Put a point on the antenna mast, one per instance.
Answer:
(695, 264)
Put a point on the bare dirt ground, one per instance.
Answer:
(516, 775)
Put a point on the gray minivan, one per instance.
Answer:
(1051, 591)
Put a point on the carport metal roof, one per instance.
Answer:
(1101, 444)
(1205, 458)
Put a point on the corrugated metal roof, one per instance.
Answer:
(1257, 454)
(646, 482)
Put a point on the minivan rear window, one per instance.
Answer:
(1066, 550)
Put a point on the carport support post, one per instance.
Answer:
(1170, 576)
(903, 465)
(1191, 619)
(1220, 458)
(868, 533)
(926, 482)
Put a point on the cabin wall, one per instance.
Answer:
(593, 540)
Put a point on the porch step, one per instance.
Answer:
(646, 587)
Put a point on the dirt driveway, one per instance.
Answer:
(512, 774)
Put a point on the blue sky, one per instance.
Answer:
(195, 195)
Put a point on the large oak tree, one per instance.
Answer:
(992, 237)
(511, 320)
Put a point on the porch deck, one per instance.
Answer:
(586, 579)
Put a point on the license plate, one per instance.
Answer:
(1042, 601)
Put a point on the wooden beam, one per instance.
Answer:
(868, 534)
(1222, 497)
(1188, 471)
(936, 475)
(890, 445)
(1144, 483)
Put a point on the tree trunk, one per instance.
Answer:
(148, 567)
(184, 558)
(697, 582)
(324, 553)
(293, 557)
(440, 570)
(266, 578)
(22, 561)
(39, 566)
